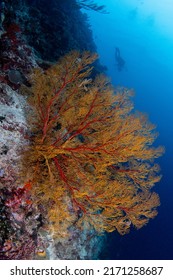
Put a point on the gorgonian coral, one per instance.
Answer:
(90, 158)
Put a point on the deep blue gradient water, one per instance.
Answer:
(145, 42)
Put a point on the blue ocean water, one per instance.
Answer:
(142, 31)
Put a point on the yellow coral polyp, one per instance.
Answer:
(41, 253)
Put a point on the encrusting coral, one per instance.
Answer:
(90, 158)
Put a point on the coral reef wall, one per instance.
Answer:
(52, 28)
(33, 34)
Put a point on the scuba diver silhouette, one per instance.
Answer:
(120, 61)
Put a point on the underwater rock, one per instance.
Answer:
(15, 76)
